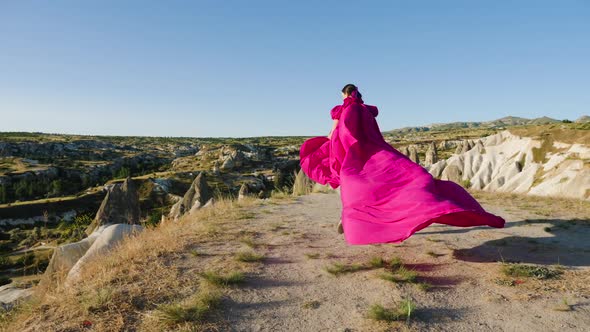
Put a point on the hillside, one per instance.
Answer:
(278, 264)
(49, 206)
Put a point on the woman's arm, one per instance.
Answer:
(333, 127)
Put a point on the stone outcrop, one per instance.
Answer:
(431, 155)
(115, 219)
(508, 163)
(197, 196)
(413, 154)
(69, 259)
(106, 238)
(120, 206)
(404, 150)
(10, 295)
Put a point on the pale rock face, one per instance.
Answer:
(413, 154)
(105, 240)
(431, 155)
(227, 163)
(404, 151)
(196, 197)
(120, 206)
(11, 295)
(437, 168)
(504, 162)
(65, 256)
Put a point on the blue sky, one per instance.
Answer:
(257, 68)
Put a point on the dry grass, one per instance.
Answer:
(566, 133)
(195, 309)
(117, 290)
(563, 207)
(249, 241)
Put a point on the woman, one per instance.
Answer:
(385, 196)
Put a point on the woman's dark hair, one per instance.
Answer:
(349, 88)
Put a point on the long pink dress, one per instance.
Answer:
(385, 196)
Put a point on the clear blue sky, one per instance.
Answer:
(256, 68)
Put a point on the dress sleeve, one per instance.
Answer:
(335, 112)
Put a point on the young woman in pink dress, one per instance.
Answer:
(385, 196)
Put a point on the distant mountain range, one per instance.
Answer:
(499, 123)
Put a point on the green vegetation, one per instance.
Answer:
(339, 268)
(194, 310)
(377, 262)
(530, 271)
(403, 311)
(311, 304)
(401, 274)
(233, 278)
(5, 281)
(249, 257)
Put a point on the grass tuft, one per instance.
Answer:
(249, 241)
(531, 271)
(563, 306)
(402, 312)
(311, 305)
(377, 262)
(395, 263)
(195, 310)
(196, 253)
(249, 257)
(424, 286)
(339, 268)
(233, 278)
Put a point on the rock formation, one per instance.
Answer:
(197, 196)
(413, 150)
(10, 295)
(120, 206)
(431, 155)
(508, 163)
(114, 220)
(104, 240)
(404, 150)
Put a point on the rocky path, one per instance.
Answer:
(292, 291)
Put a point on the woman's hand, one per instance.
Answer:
(333, 127)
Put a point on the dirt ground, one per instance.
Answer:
(292, 291)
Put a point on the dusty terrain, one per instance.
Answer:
(464, 296)
(291, 289)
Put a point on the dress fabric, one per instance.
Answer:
(385, 196)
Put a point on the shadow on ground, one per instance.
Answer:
(566, 243)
